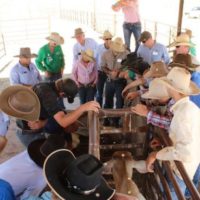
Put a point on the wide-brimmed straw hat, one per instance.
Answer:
(117, 45)
(39, 149)
(179, 79)
(157, 90)
(76, 178)
(77, 32)
(88, 55)
(157, 69)
(20, 102)
(55, 37)
(106, 35)
(26, 53)
(181, 40)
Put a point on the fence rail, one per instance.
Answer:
(2, 46)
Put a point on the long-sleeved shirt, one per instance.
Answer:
(184, 133)
(50, 61)
(84, 74)
(22, 75)
(4, 122)
(162, 121)
(89, 44)
(100, 50)
(157, 53)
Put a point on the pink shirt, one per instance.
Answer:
(131, 12)
(84, 74)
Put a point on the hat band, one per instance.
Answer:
(78, 190)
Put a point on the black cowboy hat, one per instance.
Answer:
(76, 179)
(39, 149)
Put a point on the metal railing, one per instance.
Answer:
(2, 46)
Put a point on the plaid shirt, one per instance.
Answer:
(162, 121)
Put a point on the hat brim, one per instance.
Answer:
(33, 55)
(85, 56)
(116, 48)
(192, 90)
(35, 153)
(149, 95)
(4, 105)
(59, 160)
(173, 64)
(174, 44)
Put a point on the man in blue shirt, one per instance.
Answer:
(152, 51)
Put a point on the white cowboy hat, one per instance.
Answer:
(88, 55)
(117, 45)
(20, 102)
(55, 37)
(106, 35)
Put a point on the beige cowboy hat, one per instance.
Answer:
(77, 31)
(88, 55)
(106, 35)
(182, 40)
(117, 45)
(20, 102)
(157, 90)
(179, 79)
(55, 37)
(26, 53)
(157, 69)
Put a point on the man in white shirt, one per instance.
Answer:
(184, 128)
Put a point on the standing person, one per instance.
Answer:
(107, 38)
(85, 76)
(25, 72)
(132, 22)
(4, 123)
(184, 128)
(111, 63)
(82, 44)
(152, 51)
(50, 58)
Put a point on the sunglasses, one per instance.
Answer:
(144, 41)
(108, 39)
(177, 47)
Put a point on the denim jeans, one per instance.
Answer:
(114, 87)
(196, 180)
(86, 93)
(100, 86)
(128, 29)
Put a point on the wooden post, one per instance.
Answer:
(180, 16)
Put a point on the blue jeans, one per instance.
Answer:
(114, 87)
(100, 86)
(195, 180)
(128, 29)
(86, 93)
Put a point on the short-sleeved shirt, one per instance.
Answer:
(89, 44)
(112, 62)
(157, 53)
(4, 122)
(100, 50)
(24, 75)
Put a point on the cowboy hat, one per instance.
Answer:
(77, 31)
(106, 35)
(55, 37)
(20, 102)
(76, 178)
(157, 69)
(179, 79)
(88, 55)
(26, 53)
(181, 40)
(184, 61)
(157, 90)
(39, 149)
(117, 45)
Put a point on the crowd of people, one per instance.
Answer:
(102, 75)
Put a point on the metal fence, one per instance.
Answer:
(2, 46)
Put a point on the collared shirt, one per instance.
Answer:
(131, 12)
(6, 191)
(184, 133)
(24, 75)
(111, 61)
(157, 53)
(84, 74)
(101, 49)
(4, 123)
(162, 121)
(25, 177)
(50, 61)
(89, 44)
(44, 196)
